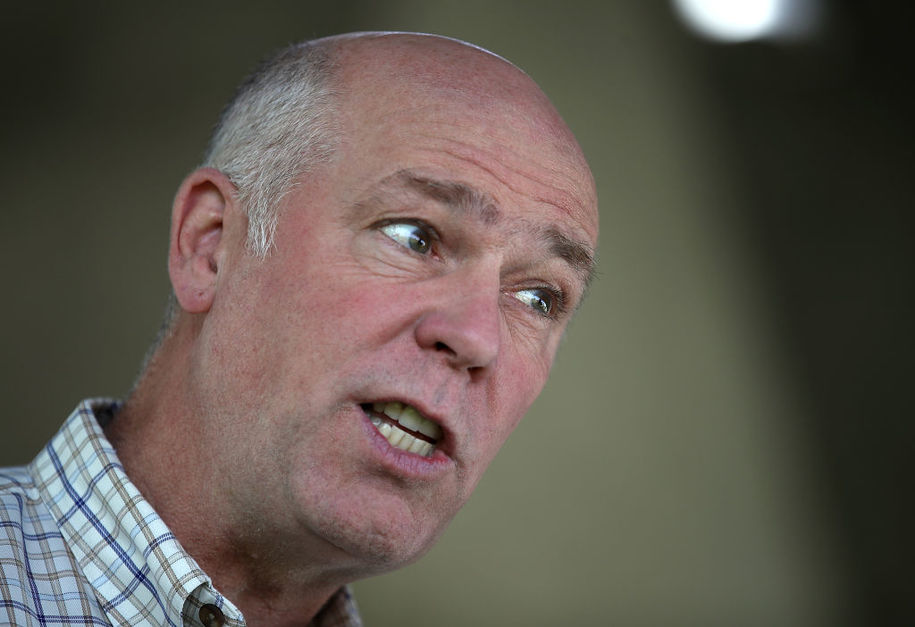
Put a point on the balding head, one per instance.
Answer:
(287, 117)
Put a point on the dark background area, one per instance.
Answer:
(766, 183)
(825, 137)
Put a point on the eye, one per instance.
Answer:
(541, 300)
(409, 235)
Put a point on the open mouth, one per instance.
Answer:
(404, 427)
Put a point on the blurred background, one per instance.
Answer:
(727, 433)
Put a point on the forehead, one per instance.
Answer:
(470, 117)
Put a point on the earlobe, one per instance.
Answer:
(195, 250)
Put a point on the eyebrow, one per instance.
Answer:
(466, 199)
(574, 253)
(453, 194)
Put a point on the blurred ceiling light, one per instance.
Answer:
(745, 20)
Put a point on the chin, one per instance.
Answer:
(380, 541)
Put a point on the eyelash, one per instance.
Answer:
(430, 236)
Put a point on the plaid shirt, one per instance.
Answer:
(79, 545)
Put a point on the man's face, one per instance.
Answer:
(434, 266)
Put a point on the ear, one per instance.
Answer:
(197, 245)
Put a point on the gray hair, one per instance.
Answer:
(276, 128)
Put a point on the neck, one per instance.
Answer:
(274, 575)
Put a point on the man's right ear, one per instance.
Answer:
(196, 246)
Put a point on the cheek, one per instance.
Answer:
(527, 368)
(326, 299)
(355, 312)
(511, 394)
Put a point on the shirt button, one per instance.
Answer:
(211, 616)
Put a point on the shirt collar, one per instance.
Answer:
(136, 565)
(139, 570)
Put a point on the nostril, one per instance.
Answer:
(459, 337)
(441, 346)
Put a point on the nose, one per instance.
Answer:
(463, 324)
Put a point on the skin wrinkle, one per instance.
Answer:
(454, 194)
(571, 155)
(465, 198)
(566, 207)
(502, 158)
(450, 193)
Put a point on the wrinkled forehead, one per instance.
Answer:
(413, 90)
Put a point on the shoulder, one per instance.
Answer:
(39, 576)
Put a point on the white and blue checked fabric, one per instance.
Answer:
(79, 545)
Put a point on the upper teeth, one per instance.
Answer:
(408, 418)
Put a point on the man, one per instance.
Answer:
(372, 274)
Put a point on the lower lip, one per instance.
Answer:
(401, 462)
